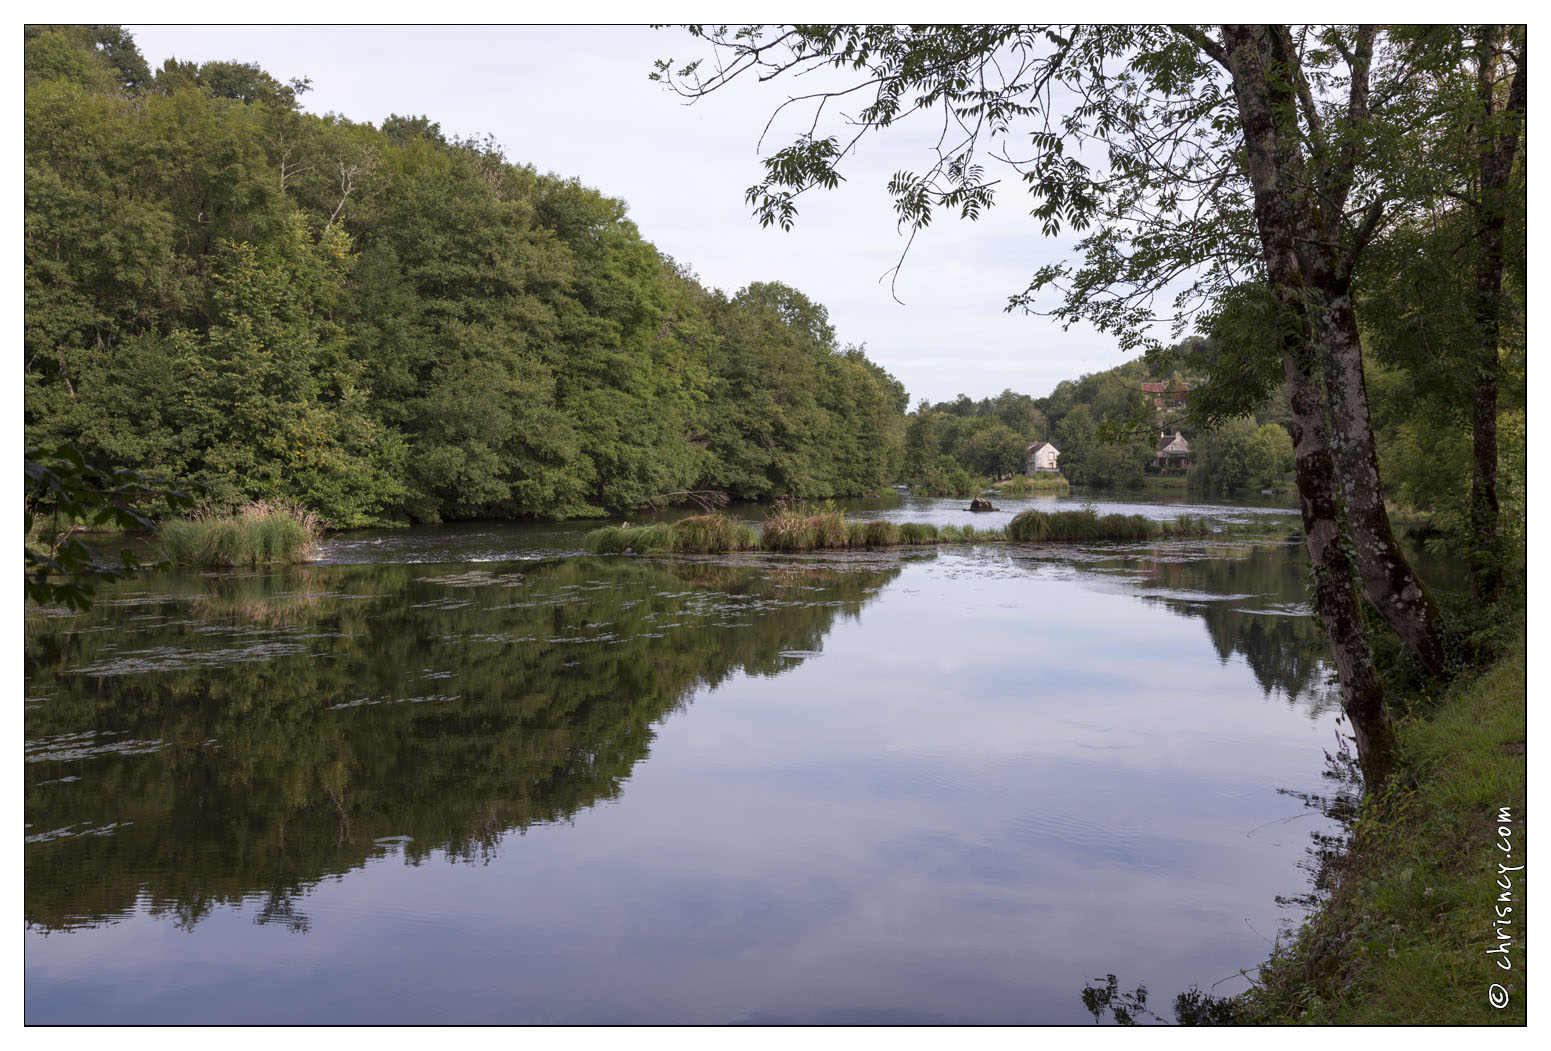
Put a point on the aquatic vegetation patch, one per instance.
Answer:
(699, 535)
(1083, 524)
(795, 526)
(712, 534)
(881, 534)
(258, 533)
(628, 539)
(918, 533)
(799, 527)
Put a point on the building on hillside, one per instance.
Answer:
(1173, 450)
(1163, 396)
(1042, 457)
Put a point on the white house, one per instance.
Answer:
(1173, 450)
(1042, 457)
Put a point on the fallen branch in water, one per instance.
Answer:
(705, 499)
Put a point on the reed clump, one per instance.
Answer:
(1080, 525)
(881, 534)
(919, 533)
(710, 534)
(628, 539)
(983, 534)
(794, 526)
(258, 533)
(798, 527)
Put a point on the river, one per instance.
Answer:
(468, 774)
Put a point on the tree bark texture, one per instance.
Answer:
(1299, 214)
(1335, 596)
(1274, 161)
(1388, 582)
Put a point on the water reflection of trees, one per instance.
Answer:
(244, 736)
(1254, 602)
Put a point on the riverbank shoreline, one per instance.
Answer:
(1424, 923)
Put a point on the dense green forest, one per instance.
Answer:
(387, 324)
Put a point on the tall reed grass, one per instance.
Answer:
(798, 527)
(259, 532)
(1080, 525)
(700, 534)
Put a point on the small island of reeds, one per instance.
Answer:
(801, 528)
(256, 534)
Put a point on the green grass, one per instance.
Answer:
(919, 533)
(700, 534)
(259, 533)
(1080, 525)
(882, 534)
(712, 534)
(1403, 937)
(640, 540)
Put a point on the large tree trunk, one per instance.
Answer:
(1300, 215)
(1388, 582)
(1496, 148)
(1265, 102)
(1335, 597)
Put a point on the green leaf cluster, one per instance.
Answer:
(64, 497)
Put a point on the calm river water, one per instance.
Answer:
(468, 774)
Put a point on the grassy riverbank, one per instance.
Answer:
(802, 528)
(1418, 898)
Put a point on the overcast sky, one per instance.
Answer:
(577, 102)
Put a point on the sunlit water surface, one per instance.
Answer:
(468, 775)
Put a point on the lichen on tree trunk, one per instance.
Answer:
(1335, 596)
(1389, 583)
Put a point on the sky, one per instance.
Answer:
(576, 102)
